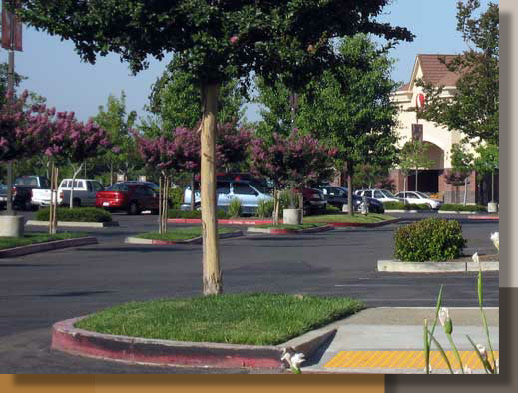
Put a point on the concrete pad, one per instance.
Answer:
(420, 267)
(76, 224)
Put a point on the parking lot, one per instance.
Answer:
(40, 289)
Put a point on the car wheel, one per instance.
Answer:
(133, 208)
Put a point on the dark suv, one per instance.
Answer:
(133, 197)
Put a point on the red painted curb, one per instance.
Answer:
(67, 338)
(496, 218)
(47, 246)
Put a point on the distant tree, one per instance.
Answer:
(350, 109)
(474, 107)
(175, 101)
(414, 155)
(486, 162)
(461, 167)
(216, 42)
(118, 124)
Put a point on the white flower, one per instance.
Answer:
(467, 370)
(429, 369)
(297, 359)
(443, 315)
(475, 258)
(482, 351)
(497, 366)
(495, 237)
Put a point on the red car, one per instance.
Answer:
(132, 197)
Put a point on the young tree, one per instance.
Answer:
(119, 126)
(414, 155)
(474, 107)
(350, 108)
(216, 41)
(487, 162)
(461, 165)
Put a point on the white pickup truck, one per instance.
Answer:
(85, 191)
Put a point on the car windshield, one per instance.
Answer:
(388, 194)
(117, 187)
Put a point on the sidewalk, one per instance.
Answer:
(390, 341)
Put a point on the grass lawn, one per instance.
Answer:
(257, 319)
(32, 238)
(180, 233)
(344, 217)
(293, 227)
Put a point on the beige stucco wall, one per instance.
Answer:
(436, 135)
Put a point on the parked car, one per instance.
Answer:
(132, 197)
(85, 191)
(419, 198)
(313, 201)
(23, 190)
(245, 191)
(3, 196)
(379, 194)
(337, 196)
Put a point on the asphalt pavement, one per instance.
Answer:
(38, 290)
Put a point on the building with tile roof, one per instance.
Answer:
(430, 68)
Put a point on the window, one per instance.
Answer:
(117, 187)
(97, 186)
(387, 193)
(223, 187)
(243, 189)
(378, 194)
(411, 195)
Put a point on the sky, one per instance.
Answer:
(55, 71)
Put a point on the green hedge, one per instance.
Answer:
(81, 214)
(432, 239)
(461, 208)
(175, 213)
(405, 206)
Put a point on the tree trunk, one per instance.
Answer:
(111, 173)
(492, 186)
(212, 276)
(349, 189)
(465, 189)
(404, 187)
(275, 206)
(193, 192)
(71, 201)
(416, 179)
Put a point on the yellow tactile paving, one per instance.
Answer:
(402, 360)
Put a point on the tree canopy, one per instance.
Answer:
(474, 107)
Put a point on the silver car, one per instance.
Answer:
(246, 192)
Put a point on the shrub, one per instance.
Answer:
(175, 213)
(81, 214)
(235, 209)
(405, 206)
(287, 199)
(265, 208)
(176, 197)
(462, 208)
(432, 239)
(332, 209)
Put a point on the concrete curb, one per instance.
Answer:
(47, 246)
(282, 231)
(136, 350)
(196, 240)
(364, 225)
(435, 267)
(411, 211)
(228, 221)
(75, 224)
(457, 212)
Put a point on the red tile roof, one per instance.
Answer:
(436, 72)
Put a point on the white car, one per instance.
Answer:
(419, 198)
(379, 194)
(85, 191)
(247, 193)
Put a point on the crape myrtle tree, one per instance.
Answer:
(160, 154)
(216, 41)
(350, 109)
(461, 167)
(294, 161)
